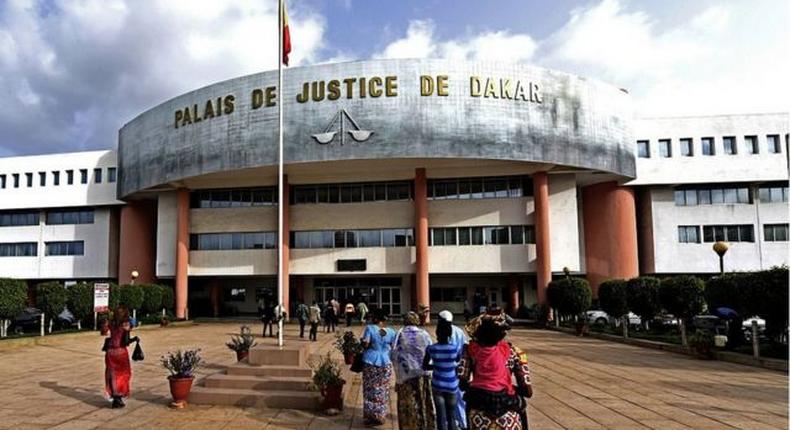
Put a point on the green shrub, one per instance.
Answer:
(643, 297)
(115, 296)
(51, 297)
(152, 300)
(131, 296)
(168, 297)
(682, 296)
(13, 297)
(612, 297)
(80, 301)
(773, 307)
(569, 296)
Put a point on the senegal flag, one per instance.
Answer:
(286, 35)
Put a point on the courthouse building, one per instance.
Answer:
(407, 181)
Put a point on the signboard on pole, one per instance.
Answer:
(101, 297)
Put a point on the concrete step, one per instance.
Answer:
(246, 369)
(273, 399)
(252, 382)
(270, 355)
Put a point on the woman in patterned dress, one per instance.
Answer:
(118, 369)
(415, 400)
(377, 371)
(487, 368)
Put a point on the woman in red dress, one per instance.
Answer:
(118, 369)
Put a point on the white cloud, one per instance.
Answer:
(73, 72)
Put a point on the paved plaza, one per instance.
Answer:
(579, 384)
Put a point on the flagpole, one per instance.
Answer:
(280, 201)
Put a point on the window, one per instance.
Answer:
(705, 196)
(687, 147)
(232, 241)
(352, 238)
(22, 249)
(752, 144)
(12, 219)
(2, 181)
(71, 216)
(42, 179)
(665, 147)
(479, 188)
(730, 147)
(70, 177)
(774, 145)
(351, 193)
(235, 294)
(76, 247)
(489, 235)
(728, 233)
(443, 236)
(97, 176)
(688, 234)
(773, 192)
(708, 147)
(227, 198)
(83, 176)
(112, 174)
(16, 179)
(776, 232)
(56, 178)
(29, 179)
(643, 148)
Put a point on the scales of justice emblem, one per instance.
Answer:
(338, 123)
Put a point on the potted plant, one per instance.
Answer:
(348, 345)
(702, 343)
(182, 366)
(327, 380)
(241, 343)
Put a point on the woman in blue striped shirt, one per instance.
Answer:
(444, 356)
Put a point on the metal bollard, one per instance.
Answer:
(42, 324)
(755, 341)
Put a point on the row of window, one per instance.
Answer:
(730, 194)
(234, 198)
(388, 237)
(708, 146)
(483, 235)
(15, 180)
(479, 188)
(233, 241)
(53, 217)
(731, 233)
(352, 192)
(30, 249)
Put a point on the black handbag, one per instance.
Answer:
(138, 354)
(358, 364)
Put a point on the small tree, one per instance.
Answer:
(13, 297)
(643, 298)
(115, 296)
(570, 296)
(613, 299)
(683, 296)
(131, 296)
(80, 302)
(773, 306)
(152, 301)
(51, 297)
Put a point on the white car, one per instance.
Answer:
(600, 317)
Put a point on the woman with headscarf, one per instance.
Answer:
(486, 370)
(377, 341)
(413, 384)
(118, 369)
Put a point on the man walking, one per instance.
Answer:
(302, 313)
(362, 311)
(349, 313)
(314, 317)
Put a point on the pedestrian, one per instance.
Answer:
(349, 313)
(362, 311)
(377, 341)
(486, 370)
(330, 317)
(413, 383)
(118, 369)
(442, 357)
(279, 318)
(460, 339)
(336, 314)
(267, 317)
(314, 318)
(302, 314)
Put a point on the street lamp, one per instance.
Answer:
(720, 248)
(135, 275)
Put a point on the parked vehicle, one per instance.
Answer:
(747, 328)
(28, 320)
(711, 323)
(600, 317)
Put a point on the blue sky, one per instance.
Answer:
(72, 72)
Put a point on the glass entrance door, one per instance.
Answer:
(390, 300)
(378, 293)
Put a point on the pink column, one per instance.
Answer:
(540, 182)
(421, 236)
(182, 252)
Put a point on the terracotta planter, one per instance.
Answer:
(349, 359)
(179, 389)
(242, 355)
(332, 397)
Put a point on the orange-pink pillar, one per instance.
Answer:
(182, 252)
(285, 246)
(421, 237)
(137, 244)
(540, 183)
(610, 242)
(513, 293)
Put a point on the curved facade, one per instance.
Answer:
(382, 110)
